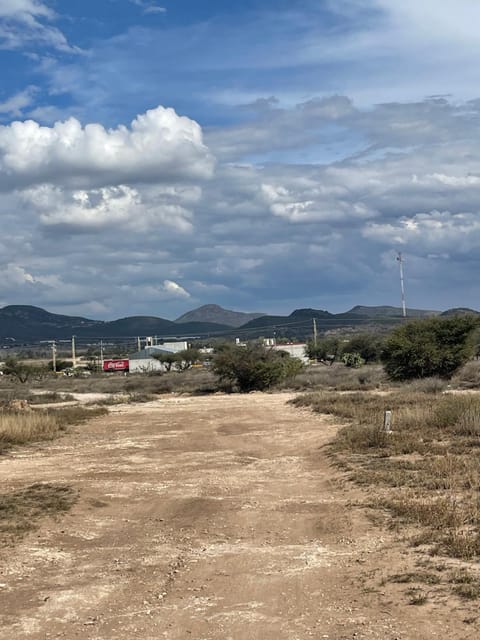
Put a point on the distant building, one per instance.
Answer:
(295, 350)
(144, 362)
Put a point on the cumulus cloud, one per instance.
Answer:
(160, 146)
(175, 289)
(264, 231)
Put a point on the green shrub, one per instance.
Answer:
(353, 360)
(254, 367)
(429, 347)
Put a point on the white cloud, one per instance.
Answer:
(159, 146)
(16, 104)
(15, 275)
(22, 24)
(175, 289)
(149, 7)
(432, 233)
(260, 232)
(111, 207)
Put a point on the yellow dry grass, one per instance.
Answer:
(20, 428)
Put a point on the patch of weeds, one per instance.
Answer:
(49, 397)
(422, 577)
(21, 511)
(75, 415)
(467, 591)
(417, 596)
(142, 397)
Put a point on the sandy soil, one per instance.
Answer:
(209, 518)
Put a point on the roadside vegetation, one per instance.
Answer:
(425, 475)
(23, 426)
(22, 511)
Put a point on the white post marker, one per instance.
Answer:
(387, 422)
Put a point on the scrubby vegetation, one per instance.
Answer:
(23, 427)
(254, 367)
(21, 511)
(427, 473)
(430, 347)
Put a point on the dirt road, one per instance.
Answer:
(208, 518)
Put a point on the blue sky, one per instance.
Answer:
(264, 155)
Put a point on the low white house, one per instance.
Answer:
(144, 362)
(295, 350)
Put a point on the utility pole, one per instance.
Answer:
(54, 356)
(101, 355)
(314, 332)
(402, 284)
(74, 359)
(139, 344)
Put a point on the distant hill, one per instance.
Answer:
(215, 313)
(28, 324)
(24, 323)
(390, 312)
(459, 311)
(299, 324)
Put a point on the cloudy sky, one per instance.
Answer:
(264, 155)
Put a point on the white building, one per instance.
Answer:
(295, 351)
(144, 362)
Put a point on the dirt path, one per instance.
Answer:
(207, 518)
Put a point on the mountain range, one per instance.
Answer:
(25, 323)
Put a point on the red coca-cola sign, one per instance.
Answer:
(115, 365)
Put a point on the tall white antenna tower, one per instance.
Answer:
(402, 283)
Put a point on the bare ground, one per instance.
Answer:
(209, 518)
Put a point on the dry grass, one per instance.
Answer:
(21, 511)
(468, 377)
(20, 428)
(337, 377)
(427, 473)
(33, 426)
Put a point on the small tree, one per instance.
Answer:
(254, 367)
(186, 358)
(167, 359)
(326, 350)
(60, 365)
(21, 371)
(429, 347)
(367, 345)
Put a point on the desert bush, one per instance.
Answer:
(353, 360)
(254, 367)
(194, 380)
(429, 347)
(23, 372)
(468, 376)
(367, 345)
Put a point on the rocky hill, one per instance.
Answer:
(219, 315)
